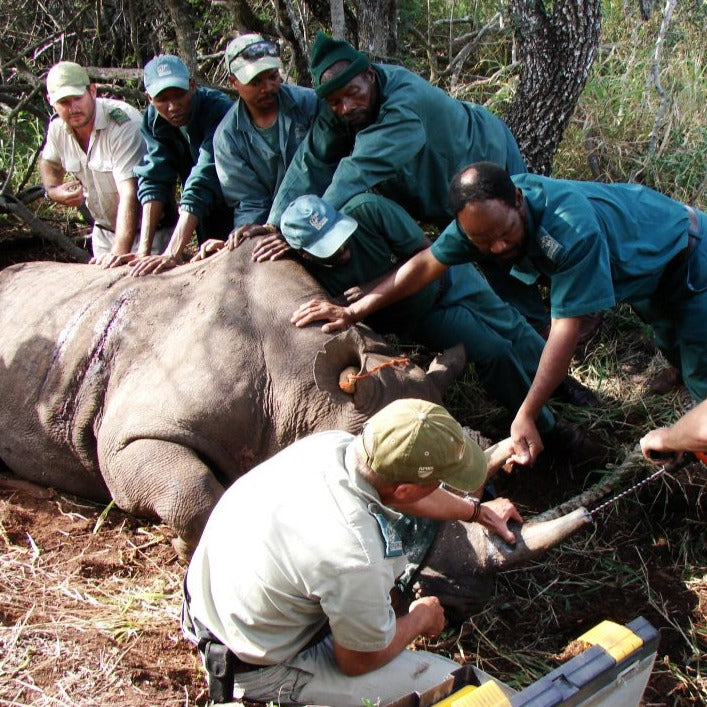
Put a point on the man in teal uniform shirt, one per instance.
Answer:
(259, 135)
(387, 129)
(178, 129)
(349, 250)
(599, 244)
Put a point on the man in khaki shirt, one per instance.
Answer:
(97, 142)
(288, 594)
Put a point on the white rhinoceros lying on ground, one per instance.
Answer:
(160, 391)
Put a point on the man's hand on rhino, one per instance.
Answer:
(495, 515)
(244, 232)
(272, 245)
(207, 248)
(527, 444)
(353, 294)
(152, 264)
(317, 310)
(111, 260)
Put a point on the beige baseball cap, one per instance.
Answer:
(415, 441)
(250, 55)
(66, 79)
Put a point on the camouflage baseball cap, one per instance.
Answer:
(66, 79)
(415, 441)
(250, 55)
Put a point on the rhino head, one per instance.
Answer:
(380, 378)
(464, 559)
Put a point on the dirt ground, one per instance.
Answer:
(90, 597)
(90, 603)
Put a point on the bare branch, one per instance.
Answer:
(655, 74)
(38, 227)
(11, 166)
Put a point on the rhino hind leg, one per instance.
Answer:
(151, 477)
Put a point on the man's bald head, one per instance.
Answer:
(481, 181)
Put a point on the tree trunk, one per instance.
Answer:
(12, 205)
(378, 27)
(245, 20)
(338, 25)
(184, 29)
(556, 52)
(292, 31)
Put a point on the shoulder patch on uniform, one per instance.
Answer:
(549, 246)
(119, 115)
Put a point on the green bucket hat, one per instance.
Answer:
(325, 53)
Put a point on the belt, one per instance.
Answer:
(693, 228)
(221, 663)
(693, 234)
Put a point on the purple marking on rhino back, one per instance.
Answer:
(90, 369)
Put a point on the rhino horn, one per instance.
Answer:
(533, 540)
(461, 564)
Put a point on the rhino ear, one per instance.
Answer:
(447, 366)
(340, 351)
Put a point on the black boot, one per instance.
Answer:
(571, 442)
(573, 392)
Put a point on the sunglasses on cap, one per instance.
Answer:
(258, 50)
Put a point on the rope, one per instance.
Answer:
(393, 362)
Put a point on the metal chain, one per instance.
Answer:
(630, 489)
(672, 466)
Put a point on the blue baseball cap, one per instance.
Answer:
(312, 225)
(165, 71)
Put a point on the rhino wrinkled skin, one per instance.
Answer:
(160, 391)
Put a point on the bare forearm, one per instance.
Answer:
(410, 277)
(51, 173)
(688, 434)
(183, 231)
(126, 221)
(425, 617)
(439, 505)
(151, 214)
(553, 366)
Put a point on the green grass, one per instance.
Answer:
(615, 117)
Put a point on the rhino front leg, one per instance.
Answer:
(158, 478)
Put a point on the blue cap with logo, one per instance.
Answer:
(165, 71)
(312, 225)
